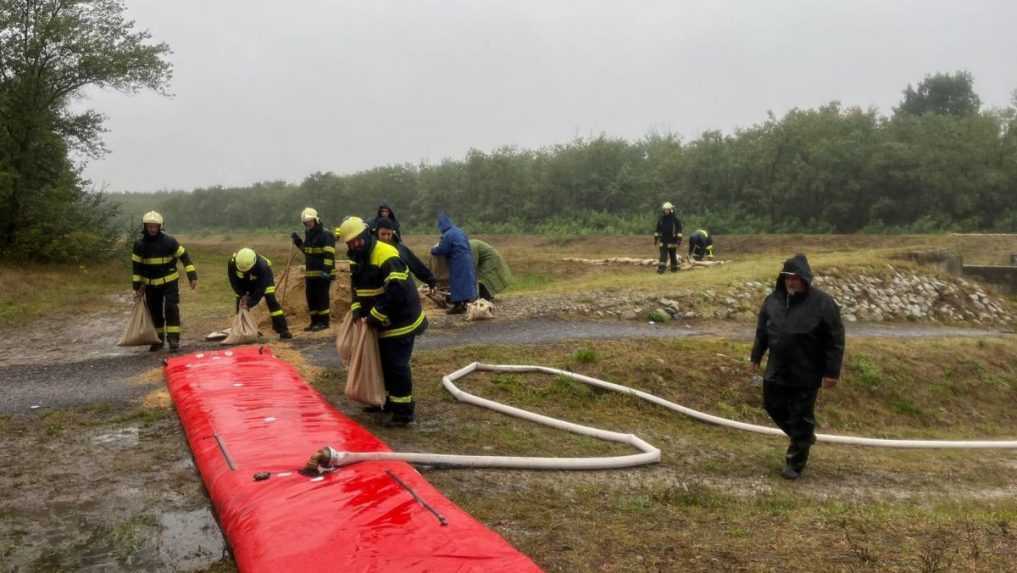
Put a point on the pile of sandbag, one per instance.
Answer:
(290, 293)
(684, 263)
(612, 261)
(357, 345)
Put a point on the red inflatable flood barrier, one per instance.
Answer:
(245, 411)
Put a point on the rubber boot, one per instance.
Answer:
(314, 321)
(399, 415)
(174, 342)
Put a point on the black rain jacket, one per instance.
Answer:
(803, 333)
(669, 229)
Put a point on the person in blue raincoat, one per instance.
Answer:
(455, 247)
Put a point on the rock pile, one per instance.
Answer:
(870, 297)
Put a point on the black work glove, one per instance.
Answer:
(297, 240)
(431, 284)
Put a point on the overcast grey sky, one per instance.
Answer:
(277, 90)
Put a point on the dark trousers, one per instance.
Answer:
(697, 252)
(164, 304)
(668, 251)
(395, 366)
(793, 409)
(318, 303)
(275, 310)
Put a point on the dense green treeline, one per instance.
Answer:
(936, 164)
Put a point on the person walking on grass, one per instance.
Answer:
(667, 238)
(154, 274)
(318, 246)
(800, 326)
(250, 276)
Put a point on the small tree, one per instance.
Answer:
(50, 50)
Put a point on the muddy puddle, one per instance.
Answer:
(102, 495)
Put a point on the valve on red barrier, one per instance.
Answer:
(325, 460)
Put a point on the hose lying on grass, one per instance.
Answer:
(329, 458)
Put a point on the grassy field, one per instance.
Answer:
(31, 292)
(715, 502)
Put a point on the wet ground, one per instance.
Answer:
(98, 491)
(95, 483)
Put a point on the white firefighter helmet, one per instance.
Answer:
(308, 214)
(152, 217)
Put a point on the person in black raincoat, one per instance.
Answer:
(800, 326)
(667, 237)
(385, 212)
(386, 228)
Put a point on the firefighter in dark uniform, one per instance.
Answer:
(800, 326)
(700, 245)
(667, 237)
(250, 276)
(385, 296)
(318, 246)
(155, 274)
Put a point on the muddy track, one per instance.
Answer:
(81, 378)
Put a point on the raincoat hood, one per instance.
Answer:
(391, 212)
(444, 222)
(798, 265)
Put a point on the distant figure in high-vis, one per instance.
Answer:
(700, 245)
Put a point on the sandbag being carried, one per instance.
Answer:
(365, 382)
(480, 309)
(346, 338)
(140, 328)
(243, 330)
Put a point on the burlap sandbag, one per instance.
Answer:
(346, 338)
(480, 309)
(365, 382)
(243, 330)
(140, 328)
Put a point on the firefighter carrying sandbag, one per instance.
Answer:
(385, 297)
(251, 277)
(155, 275)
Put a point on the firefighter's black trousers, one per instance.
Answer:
(667, 251)
(395, 365)
(793, 408)
(318, 303)
(164, 304)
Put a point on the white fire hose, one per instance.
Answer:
(330, 458)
